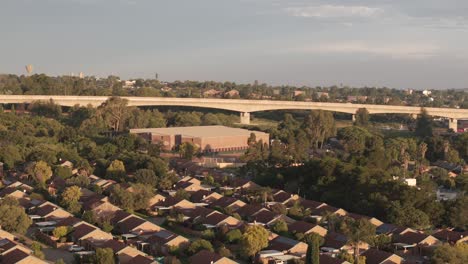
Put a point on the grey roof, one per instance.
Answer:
(197, 131)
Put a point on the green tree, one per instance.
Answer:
(233, 236)
(357, 231)
(116, 170)
(147, 177)
(457, 254)
(63, 172)
(424, 125)
(199, 245)
(41, 172)
(254, 239)
(37, 250)
(362, 117)
(70, 199)
(104, 256)
(280, 227)
(13, 218)
(114, 112)
(188, 150)
(313, 248)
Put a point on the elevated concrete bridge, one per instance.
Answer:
(244, 107)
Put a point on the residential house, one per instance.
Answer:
(217, 219)
(375, 256)
(263, 217)
(18, 256)
(136, 225)
(171, 202)
(50, 211)
(288, 246)
(339, 242)
(229, 203)
(140, 259)
(450, 236)
(376, 222)
(123, 252)
(306, 228)
(417, 243)
(249, 210)
(89, 233)
(284, 197)
(164, 240)
(326, 259)
(208, 257)
(204, 197)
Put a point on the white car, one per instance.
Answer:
(75, 248)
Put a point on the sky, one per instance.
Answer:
(394, 43)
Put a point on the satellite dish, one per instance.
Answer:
(29, 68)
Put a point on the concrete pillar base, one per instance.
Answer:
(245, 118)
(453, 124)
(353, 117)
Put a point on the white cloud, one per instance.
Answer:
(404, 50)
(334, 11)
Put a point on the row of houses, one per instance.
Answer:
(406, 242)
(12, 252)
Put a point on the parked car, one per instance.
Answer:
(75, 248)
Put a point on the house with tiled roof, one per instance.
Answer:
(263, 217)
(140, 259)
(226, 202)
(339, 242)
(326, 259)
(170, 202)
(306, 228)
(284, 197)
(288, 246)
(376, 222)
(50, 211)
(17, 256)
(375, 256)
(321, 211)
(204, 197)
(119, 216)
(249, 210)
(208, 257)
(89, 232)
(217, 219)
(450, 236)
(7, 245)
(162, 241)
(416, 238)
(136, 225)
(123, 252)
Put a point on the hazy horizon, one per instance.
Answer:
(396, 44)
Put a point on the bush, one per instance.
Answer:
(233, 236)
(199, 245)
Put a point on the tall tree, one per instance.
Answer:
(319, 125)
(362, 117)
(41, 172)
(357, 231)
(313, 241)
(254, 239)
(424, 125)
(114, 112)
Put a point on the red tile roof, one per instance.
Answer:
(205, 257)
(449, 236)
(140, 259)
(13, 256)
(300, 227)
(115, 245)
(129, 224)
(375, 256)
(410, 238)
(82, 230)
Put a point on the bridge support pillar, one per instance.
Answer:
(245, 118)
(414, 116)
(453, 124)
(353, 117)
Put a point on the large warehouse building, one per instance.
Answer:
(207, 138)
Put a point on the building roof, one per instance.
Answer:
(225, 201)
(119, 216)
(265, 217)
(282, 196)
(69, 221)
(375, 256)
(115, 245)
(140, 259)
(14, 256)
(411, 238)
(130, 223)
(45, 210)
(335, 240)
(215, 219)
(325, 259)
(250, 209)
(161, 237)
(198, 196)
(205, 257)
(82, 230)
(282, 243)
(449, 235)
(6, 244)
(198, 131)
(300, 227)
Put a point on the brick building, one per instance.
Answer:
(207, 138)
